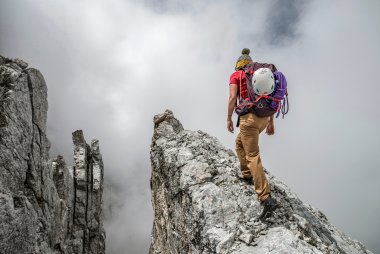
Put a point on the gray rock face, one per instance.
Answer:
(45, 206)
(201, 206)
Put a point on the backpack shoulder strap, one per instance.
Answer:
(240, 81)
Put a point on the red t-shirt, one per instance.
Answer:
(235, 79)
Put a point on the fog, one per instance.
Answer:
(110, 66)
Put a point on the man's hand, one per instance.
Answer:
(230, 125)
(270, 128)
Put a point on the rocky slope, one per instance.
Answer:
(45, 206)
(201, 206)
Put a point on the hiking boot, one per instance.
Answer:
(247, 180)
(269, 206)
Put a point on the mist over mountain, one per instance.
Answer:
(112, 65)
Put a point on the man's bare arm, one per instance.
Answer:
(231, 106)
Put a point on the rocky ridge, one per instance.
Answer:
(45, 206)
(201, 205)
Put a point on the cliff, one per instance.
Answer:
(201, 206)
(45, 206)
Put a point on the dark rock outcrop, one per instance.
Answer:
(45, 206)
(201, 205)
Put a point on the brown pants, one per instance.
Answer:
(247, 149)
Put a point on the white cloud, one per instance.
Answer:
(110, 66)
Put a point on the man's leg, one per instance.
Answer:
(250, 128)
(246, 172)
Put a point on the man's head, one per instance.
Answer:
(243, 60)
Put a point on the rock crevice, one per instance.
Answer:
(202, 206)
(42, 200)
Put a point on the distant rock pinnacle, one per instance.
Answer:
(45, 206)
(202, 207)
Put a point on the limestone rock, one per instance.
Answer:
(201, 205)
(45, 206)
(246, 237)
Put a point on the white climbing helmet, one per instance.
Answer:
(263, 81)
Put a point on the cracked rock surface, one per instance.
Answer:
(201, 206)
(45, 206)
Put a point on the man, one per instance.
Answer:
(247, 141)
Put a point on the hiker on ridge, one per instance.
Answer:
(251, 125)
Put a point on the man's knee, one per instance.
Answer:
(238, 141)
(240, 151)
(239, 146)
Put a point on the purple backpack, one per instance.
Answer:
(280, 93)
(267, 105)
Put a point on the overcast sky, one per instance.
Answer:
(110, 66)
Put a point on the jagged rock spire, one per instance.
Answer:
(201, 206)
(45, 206)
